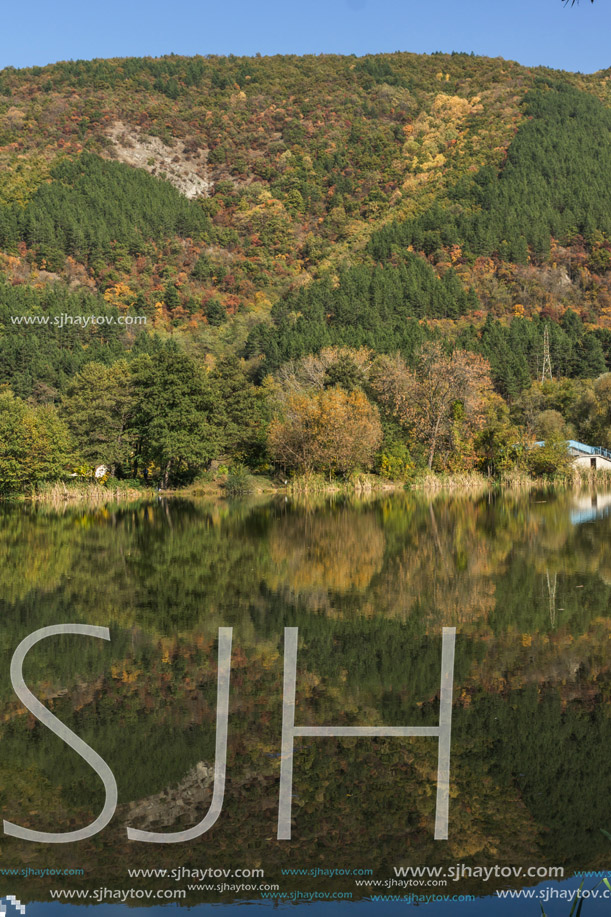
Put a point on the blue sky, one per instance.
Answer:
(529, 31)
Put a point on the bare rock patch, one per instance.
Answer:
(182, 165)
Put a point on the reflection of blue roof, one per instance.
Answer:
(579, 516)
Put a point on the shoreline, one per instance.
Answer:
(60, 495)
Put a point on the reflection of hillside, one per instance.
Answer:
(179, 805)
(367, 799)
(574, 666)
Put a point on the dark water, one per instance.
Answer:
(526, 582)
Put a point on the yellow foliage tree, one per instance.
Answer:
(331, 431)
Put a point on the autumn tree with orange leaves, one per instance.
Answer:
(441, 400)
(329, 431)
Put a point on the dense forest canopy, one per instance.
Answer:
(553, 185)
(91, 209)
(252, 213)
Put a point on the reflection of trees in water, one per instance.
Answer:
(369, 587)
(576, 667)
(451, 561)
(439, 567)
(557, 544)
(552, 585)
(405, 556)
(173, 564)
(605, 569)
(35, 553)
(336, 551)
(555, 754)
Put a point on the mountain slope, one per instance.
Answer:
(265, 209)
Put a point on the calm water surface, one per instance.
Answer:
(526, 581)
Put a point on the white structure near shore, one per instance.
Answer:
(594, 457)
(589, 456)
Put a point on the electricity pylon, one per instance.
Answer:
(551, 590)
(547, 359)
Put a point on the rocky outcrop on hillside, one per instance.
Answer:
(182, 164)
(185, 802)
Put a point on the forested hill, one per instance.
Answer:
(267, 208)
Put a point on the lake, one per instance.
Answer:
(525, 580)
